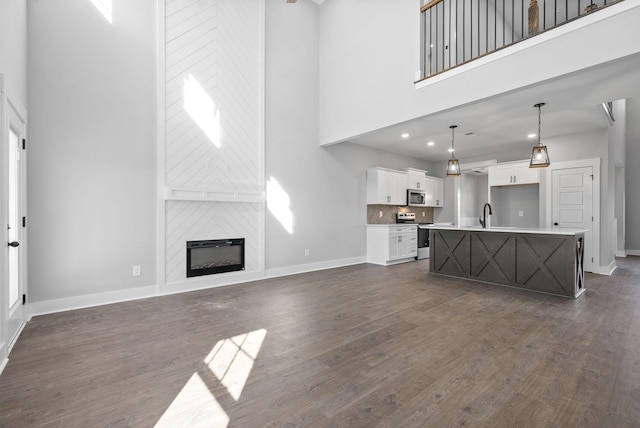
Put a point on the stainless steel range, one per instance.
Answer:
(422, 231)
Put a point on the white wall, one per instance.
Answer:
(369, 56)
(92, 176)
(13, 47)
(632, 201)
(473, 196)
(325, 186)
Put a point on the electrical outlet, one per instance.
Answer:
(135, 271)
(521, 213)
(380, 214)
(422, 213)
(306, 252)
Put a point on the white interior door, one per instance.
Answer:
(15, 227)
(572, 205)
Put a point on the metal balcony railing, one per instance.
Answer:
(458, 31)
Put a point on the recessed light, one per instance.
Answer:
(532, 135)
(430, 143)
(405, 135)
(450, 150)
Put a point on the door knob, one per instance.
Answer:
(13, 244)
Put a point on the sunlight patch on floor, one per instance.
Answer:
(231, 360)
(194, 406)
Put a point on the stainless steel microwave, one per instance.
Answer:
(416, 198)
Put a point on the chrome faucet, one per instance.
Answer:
(483, 219)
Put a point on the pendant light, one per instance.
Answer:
(453, 167)
(539, 154)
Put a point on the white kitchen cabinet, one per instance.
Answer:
(510, 174)
(434, 191)
(416, 178)
(391, 244)
(386, 187)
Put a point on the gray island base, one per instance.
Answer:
(543, 260)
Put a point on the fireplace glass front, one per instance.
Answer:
(214, 256)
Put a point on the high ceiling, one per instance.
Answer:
(503, 122)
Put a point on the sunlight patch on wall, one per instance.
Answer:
(105, 7)
(278, 203)
(231, 360)
(195, 405)
(202, 110)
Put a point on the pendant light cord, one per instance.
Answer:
(539, 122)
(539, 105)
(453, 129)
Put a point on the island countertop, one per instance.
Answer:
(538, 231)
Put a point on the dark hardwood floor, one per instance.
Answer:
(359, 346)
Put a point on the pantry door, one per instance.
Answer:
(572, 205)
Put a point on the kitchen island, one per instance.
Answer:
(542, 260)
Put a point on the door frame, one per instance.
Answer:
(10, 107)
(595, 164)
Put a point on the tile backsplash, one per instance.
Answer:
(423, 214)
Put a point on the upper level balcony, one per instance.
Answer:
(455, 32)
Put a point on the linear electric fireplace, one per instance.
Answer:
(214, 256)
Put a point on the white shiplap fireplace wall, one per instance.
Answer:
(211, 150)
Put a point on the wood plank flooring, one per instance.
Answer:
(359, 346)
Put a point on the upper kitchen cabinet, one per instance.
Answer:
(416, 179)
(434, 191)
(509, 174)
(386, 187)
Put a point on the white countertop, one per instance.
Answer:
(392, 225)
(540, 231)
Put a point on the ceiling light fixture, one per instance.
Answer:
(405, 135)
(539, 154)
(453, 166)
(430, 143)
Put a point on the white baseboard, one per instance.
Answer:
(606, 270)
(633, 252)
(3, 356)
(209, 281)
(310, 267)
(89, 300)
(3, 364)
(621, 253)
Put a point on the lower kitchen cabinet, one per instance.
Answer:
(389, 244)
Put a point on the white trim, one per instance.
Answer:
(160, 147)
(632, 252)
(207, 282)
(262, 165)
(595, 164)
(621, 253)
(4, 361)
(212, 195)
(89, 300)
(606, 270)
(311, 267)
(15, 337)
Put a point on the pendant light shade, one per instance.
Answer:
(453, 167)
(539, 154)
